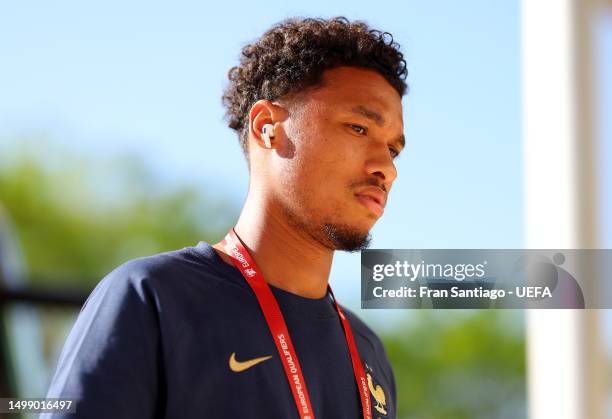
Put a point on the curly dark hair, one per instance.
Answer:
(292, 55)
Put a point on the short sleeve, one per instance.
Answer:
(111, 363)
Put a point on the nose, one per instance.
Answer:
(380, 164)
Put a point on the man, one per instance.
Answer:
(188, 333)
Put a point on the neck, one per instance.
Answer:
(288, 258)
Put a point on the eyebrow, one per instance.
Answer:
(378, 119)
(370, 114)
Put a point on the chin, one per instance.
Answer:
(364, 223)
(346, 237)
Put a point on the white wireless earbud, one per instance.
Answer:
(268, 132)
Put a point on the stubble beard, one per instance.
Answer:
(333, 235)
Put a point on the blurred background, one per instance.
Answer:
(113, 146)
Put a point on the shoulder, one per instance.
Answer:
(157, 265)
(385, 375)
(360, 327)
(139, 273)
(150, 278)
(363, 332)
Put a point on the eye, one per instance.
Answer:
(394, 152)
(358, 129)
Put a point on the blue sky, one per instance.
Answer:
(148, 76)
(603, 69)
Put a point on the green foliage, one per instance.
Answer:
(456, 364)
(78, 217)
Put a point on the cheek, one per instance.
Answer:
(325, 161)
(328, 177)
(323, 165)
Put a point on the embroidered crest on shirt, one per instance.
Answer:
(377, 392)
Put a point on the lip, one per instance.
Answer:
(373, 198)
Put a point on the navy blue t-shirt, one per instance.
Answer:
(155, 337)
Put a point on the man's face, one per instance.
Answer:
(338, 157)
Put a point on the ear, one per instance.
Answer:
(263, 112)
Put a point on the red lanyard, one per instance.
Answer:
(276, 323)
